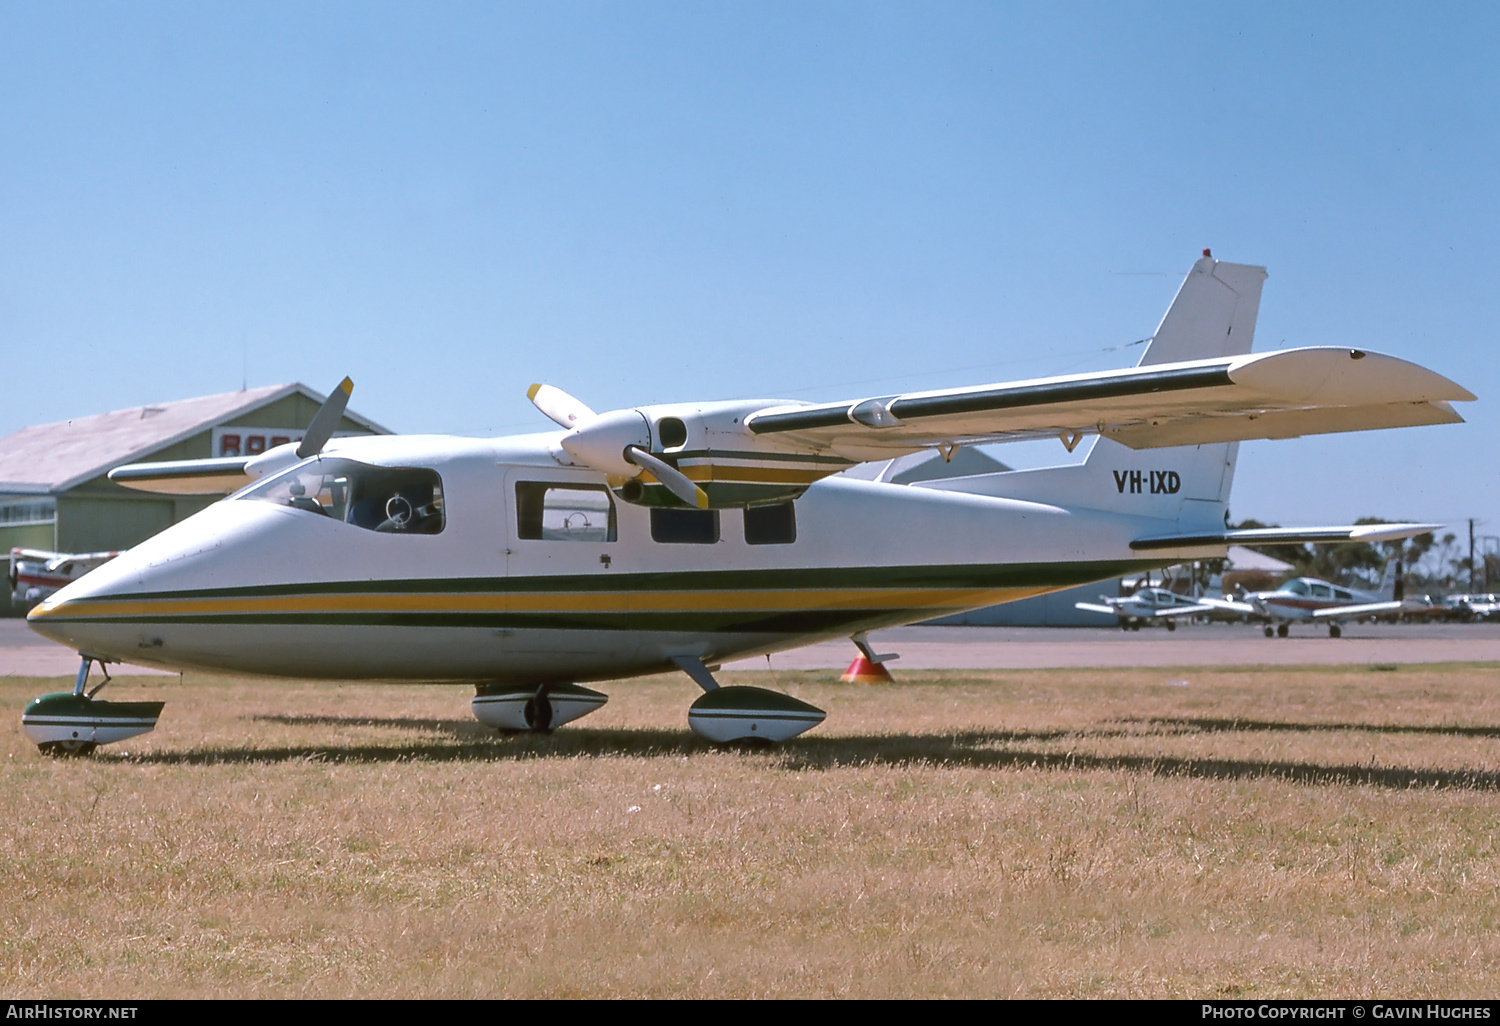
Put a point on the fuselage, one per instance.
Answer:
(490, 561)
(1303, 597)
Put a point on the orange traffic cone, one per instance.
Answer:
(862, 671)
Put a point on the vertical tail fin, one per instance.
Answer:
(1212, 315)
(1391, 585)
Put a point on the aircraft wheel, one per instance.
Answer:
(1171, 626)
(1282, 630)
(1270, 633)
(1334, 631)
(63, 749)
(1124, 626)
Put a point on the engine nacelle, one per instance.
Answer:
(711, 446)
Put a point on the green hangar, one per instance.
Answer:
(54, 493)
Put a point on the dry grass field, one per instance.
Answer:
(1206, 833)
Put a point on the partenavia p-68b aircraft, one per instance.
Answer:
(684, 535)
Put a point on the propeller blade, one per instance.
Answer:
(326, 421)
(675, 480)
(559, 406)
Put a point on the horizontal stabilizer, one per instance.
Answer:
(1183, 610)
(1286, 536)
(1231, 606)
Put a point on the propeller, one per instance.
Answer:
(673, 479)
(562, 408)
(326, 421)
(323, 425)
(615, 443)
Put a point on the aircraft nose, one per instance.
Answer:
(79, 623)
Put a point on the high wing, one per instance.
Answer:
(223, 475)
(185, 477)
(1270, 395)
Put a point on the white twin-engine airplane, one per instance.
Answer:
(685, 535)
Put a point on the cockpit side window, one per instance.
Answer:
(390, 500)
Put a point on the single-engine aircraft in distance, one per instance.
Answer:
(1147, 606)
(37, 573)
(684, 535)
(1310, 600)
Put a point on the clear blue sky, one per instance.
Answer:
(654, 201)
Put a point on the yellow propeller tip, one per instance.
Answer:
(702, 498)
(347, 386)
(533, 390)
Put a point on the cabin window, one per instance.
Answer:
(1341, 593)
(391, 500)
(685, 526)
(1322, 591)
(775, 524)
(548, 511)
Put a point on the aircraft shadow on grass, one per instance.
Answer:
(1208, 725)
(981, 749)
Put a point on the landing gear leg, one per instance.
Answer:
(80, 685)
(539, 711)
(72, 746)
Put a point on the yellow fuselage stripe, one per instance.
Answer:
(625, 602)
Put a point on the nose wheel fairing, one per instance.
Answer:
(75, 722)
(65, 723)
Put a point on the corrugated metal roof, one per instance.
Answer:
(55, 457)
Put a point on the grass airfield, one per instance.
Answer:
(1285, 832)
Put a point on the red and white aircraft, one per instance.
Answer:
(1308, 599)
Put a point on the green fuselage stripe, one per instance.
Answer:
(786, 601)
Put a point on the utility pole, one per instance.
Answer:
(1471, 555)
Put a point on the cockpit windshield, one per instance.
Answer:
(401, 500)
(1295, 587)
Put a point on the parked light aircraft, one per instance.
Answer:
(37, 573)
(1147, 606)
(1308, 599)
(634, 541)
